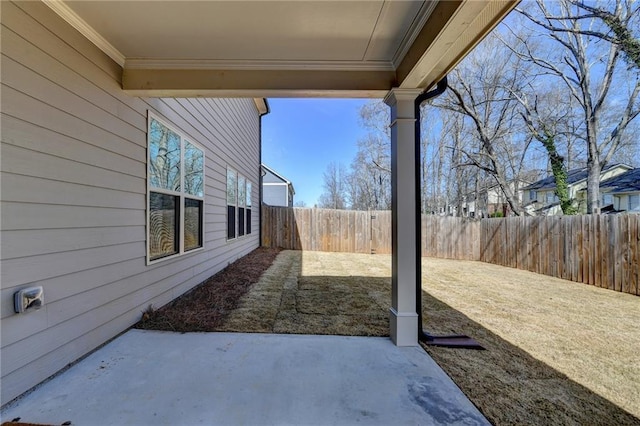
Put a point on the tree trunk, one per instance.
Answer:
(593, 186)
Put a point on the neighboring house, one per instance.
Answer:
(540, 199)
(93, 209)
(491, 201)
(624, 191)
(276, 189)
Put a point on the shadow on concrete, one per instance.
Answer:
(506, 383)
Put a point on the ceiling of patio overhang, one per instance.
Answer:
(282, 48)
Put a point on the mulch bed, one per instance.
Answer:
(206, 306)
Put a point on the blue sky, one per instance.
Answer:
(300, 137)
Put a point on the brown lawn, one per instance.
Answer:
(557, 352)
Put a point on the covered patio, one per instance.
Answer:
(155, 377)
(391, 49)
(396, 50)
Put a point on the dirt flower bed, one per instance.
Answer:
(206, 307)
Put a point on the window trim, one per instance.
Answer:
(248, 207)
(237, 206)
(241, 201)
(234, 205)
(182, 195)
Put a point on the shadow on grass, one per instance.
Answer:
(507, 384)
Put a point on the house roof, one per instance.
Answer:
(573, 176)
(628, 181)
(282, 48)
(279, 176)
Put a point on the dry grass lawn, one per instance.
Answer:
(565, 351)
(312, 293)
(557, 352)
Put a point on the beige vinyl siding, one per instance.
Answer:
(73, 195)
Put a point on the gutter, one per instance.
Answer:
(451, 341)
(263, 109)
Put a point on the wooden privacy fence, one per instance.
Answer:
(601, 250)
(326, 230)
(364, 232)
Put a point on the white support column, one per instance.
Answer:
(404, 319)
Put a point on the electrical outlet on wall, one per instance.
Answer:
(28, 299)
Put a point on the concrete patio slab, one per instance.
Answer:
(154, 378)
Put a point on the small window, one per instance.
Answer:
(248, 221)
(192, 224)
(163, 225)
(634, 202)
(238, 205)
(232, 199)
(533, 195)
(176, 192)
(549, 197)
(242, 199)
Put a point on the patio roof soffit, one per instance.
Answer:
(310, 49)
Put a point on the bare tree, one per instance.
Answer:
(550, 119)
(587, 69)
(369, 179)
(481, 89)
(334, 195)
(619, 25)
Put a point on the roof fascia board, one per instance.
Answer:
(452, 30)
(262, 106)
(276, 174)
(72, 18)
(414, 31)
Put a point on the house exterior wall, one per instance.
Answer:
(74, 191)
(271, 178)
(578, 191)
(622, 201)
(275, 190)
(276, 194)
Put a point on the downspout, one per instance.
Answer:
(440, 89)
(450, 341)
(260, 115)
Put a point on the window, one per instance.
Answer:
(607, 199)
(248, 222)
(242, 199)
(238, 205)
(533, 195)
(232, 197)
(551, 197)
(175, 193)
(634, 202)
